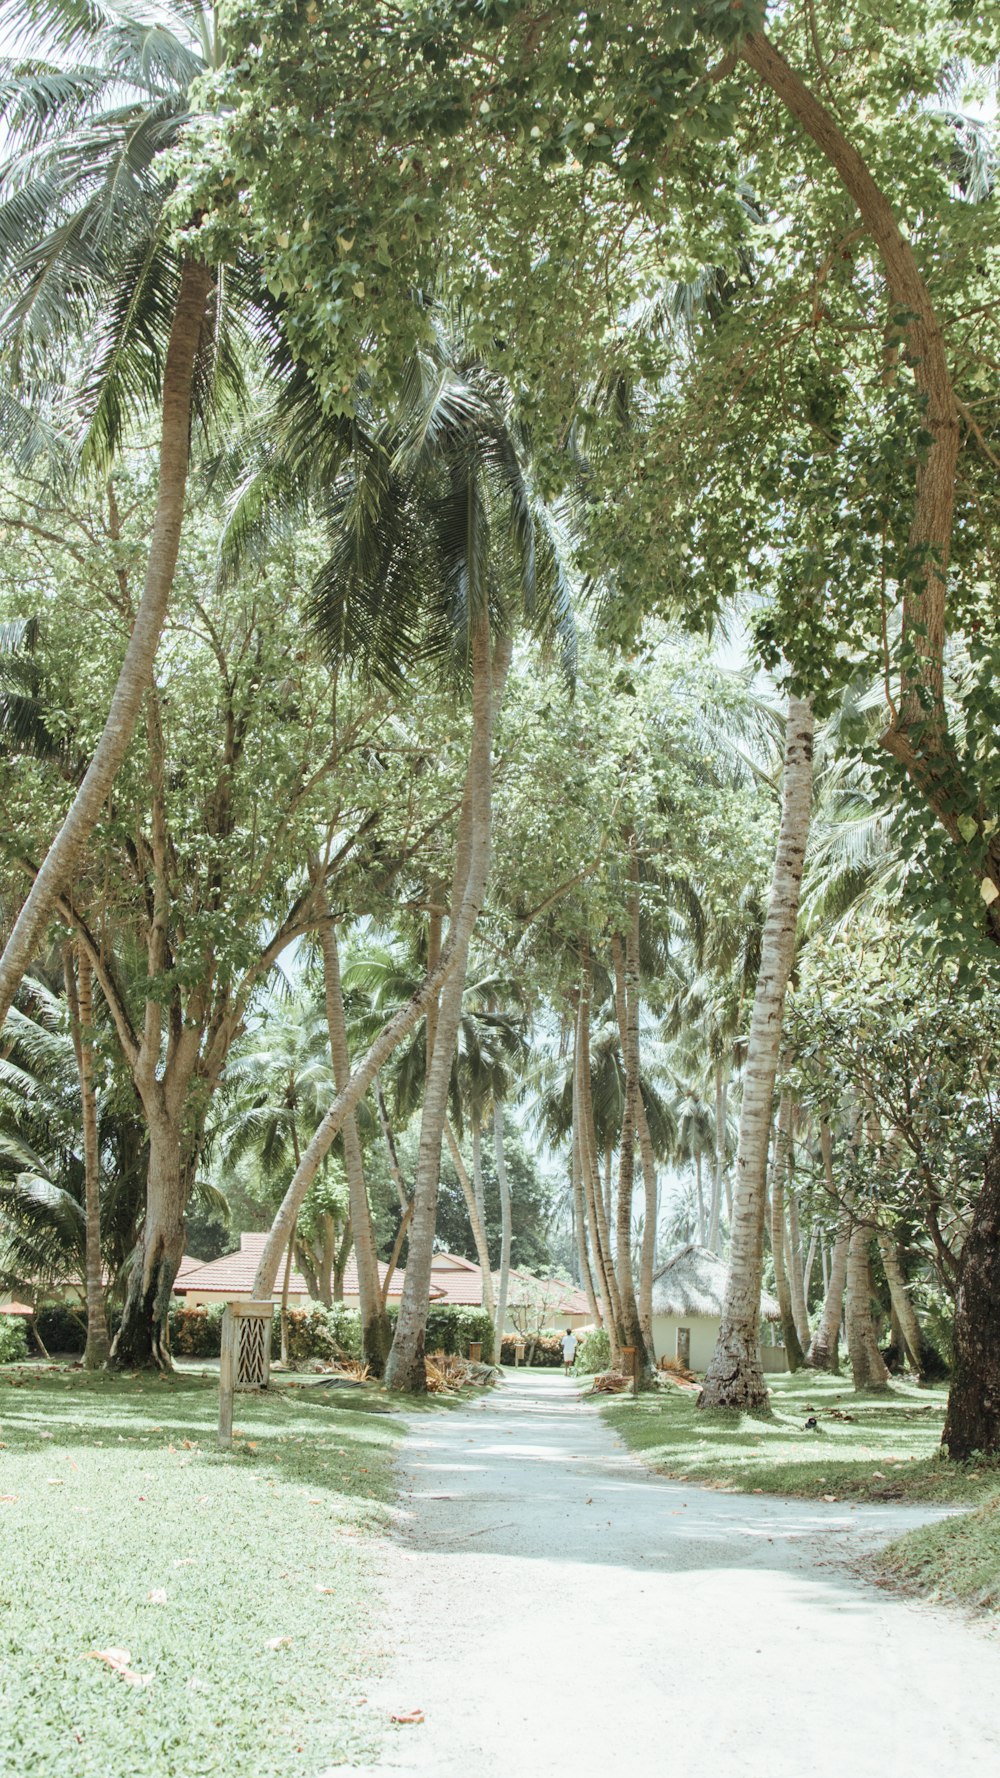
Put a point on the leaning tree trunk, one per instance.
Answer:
(902, 1305)
(142, 1337)
(580, 1218)
(475, 1224)
(405, 1370)
(503, 1185)
(867, 1364)
(67, 848)
(793, 1347)
(972, 1425)
(79, 993)
(376, 1333)
(735, 1377)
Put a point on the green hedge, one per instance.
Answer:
(452, 1329)
(545, 1352)
(62, 1329)
(13, 1339)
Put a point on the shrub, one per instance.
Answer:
(451, 1328)
(319, 1333)
(195, 1331)
(13, 1339)
(62, 1329)
(593, 1354)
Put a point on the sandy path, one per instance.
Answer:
(563, 1613)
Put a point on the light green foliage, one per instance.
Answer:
(13, 1339)
(874, 1448)
(302, 1494)
(594, 1352)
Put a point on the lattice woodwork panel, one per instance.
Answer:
(252, 1370)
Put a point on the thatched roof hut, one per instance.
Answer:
(694, 1283)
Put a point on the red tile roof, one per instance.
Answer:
(15, 1309)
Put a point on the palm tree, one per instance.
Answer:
(440, 545)
(89, 277)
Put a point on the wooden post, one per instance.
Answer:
(245, 1359)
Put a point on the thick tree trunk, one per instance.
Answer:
(902, 1306)
(142, 1337)
(972, 1426)
(867, 1365)
(472, 1209)
(376, 1333)
(405, 1370)
(67, 848)
(735, 1378)
(503, 1282)
(793, 1348)
(79, 993)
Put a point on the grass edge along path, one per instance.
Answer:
(241, 1585)
(883, 1447)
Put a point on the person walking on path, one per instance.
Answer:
(568, 1350)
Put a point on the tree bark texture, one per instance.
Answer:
(80, 995)
(67, 848)
(735, 1378)
(580, 1220)
(972, 1424)
(626, 978)
(472, 1208)
(142, 1334)
(503, 1282)
(902, 1305)
(867, 1365)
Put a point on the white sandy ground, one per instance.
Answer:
(563, 1613)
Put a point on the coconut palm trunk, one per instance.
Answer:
(626, 976)
(735, 1377)
(580, 1220)
(79, 993)
(67, 849)
(606, 1280)
(779, 1172)
(503, 1184)
(719, 1159)
(376, 1333)
(823, 1349)
(405, 1370)
(475, 1222)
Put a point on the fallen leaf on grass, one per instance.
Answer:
(279, 1642)
(320, 1589)
(157, 1596)
(185, 1561)
(9, 1499)
(119, 1660)
(407, 1716)
(831, 1498)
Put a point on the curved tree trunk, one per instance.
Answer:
(405, 1369)
(505, 1227)
(735, 1377)
(867, 1365)
(902, 1306)
(67, 848)
(79, 993)
(580, 1218)
(972, 1425)
(472, 1208)
(793, 1348)
(376, 1333)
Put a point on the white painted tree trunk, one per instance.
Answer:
(735, 1377)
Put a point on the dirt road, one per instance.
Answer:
(563, 1613)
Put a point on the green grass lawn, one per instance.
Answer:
(242, 1583)
(957, 1560)
(868, 1447)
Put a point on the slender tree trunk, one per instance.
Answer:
(472, 1208)
(503, 1282)
(340, 1263)
(81, 1006)
(793, 1349)
(721, 1112)
(284, 1300)
(902, 1306)
(67, 849)
(793, 1249)
(807, 1270)
(405, 1370)
(142, 1334)
(867, 1365)
(477, 1168)
(580, 1220)
(735, 1378)
(376, 1332)
(591, 1177)
(390, 1145)
(823, 1349)
(627, 1002)
(647, 1258)
(972, 1425)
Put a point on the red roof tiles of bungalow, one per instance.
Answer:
(233, 1274)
